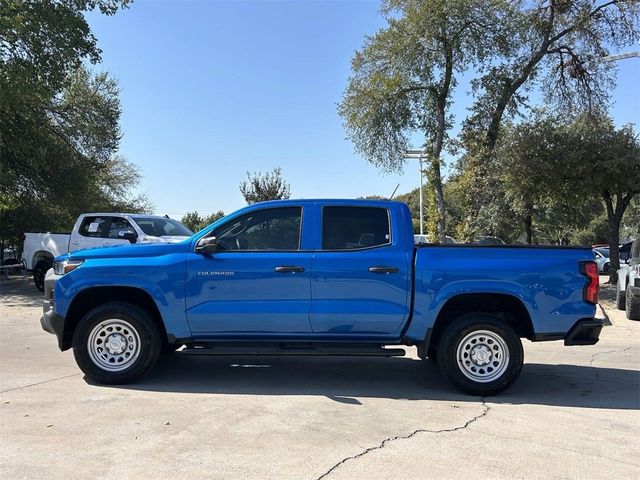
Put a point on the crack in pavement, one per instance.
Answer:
(388, 440)
(593, 358)
(39, 383)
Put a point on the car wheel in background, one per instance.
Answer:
(116, 343)
(620, 299)
(480, 355)
(606, 269)
(632, 300)
(39, 272)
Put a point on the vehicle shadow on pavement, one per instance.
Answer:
(346, 379)
(19, 291)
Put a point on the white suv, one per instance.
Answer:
(628, 293)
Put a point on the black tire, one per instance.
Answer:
(606, 269)
(632, 303)
(39, 272)
(461, 330)
(136, 324)
(620, 299)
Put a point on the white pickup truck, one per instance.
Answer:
(93, 230)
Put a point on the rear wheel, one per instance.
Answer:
(480, 355)
(116, 343)
(39, 271)
(632, 303)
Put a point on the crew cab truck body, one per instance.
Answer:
(93, 230)
(334, 277)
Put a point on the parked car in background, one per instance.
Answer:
(488, 241)
(422, 239)
(628, 291)
(601, 255)
(625, 252)
(97, 230)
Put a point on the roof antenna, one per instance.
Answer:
(394, 192)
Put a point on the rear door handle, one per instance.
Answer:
(289, 268)
(384, 269)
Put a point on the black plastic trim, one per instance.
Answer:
(584, 332)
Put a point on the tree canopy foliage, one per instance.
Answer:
(194, 222)
(261, 187)
(59, 123)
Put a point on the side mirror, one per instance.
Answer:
(128, 235)
(207, 245)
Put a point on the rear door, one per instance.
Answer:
(361, 273)
(99, 231)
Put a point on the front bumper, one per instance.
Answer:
(50, 321)
(585, 332)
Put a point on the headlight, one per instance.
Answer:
(65, 266)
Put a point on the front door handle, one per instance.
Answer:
(289, 268)
(384, 269)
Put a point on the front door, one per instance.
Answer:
(361, 276)
(257, 281)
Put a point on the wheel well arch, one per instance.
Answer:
(508, 308)
(90, 298)
(41, 255)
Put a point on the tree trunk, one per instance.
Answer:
(443, 95)
(528, 225)
(614, 218)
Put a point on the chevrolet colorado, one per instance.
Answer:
(320, 277)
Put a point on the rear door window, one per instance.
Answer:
(354, 228)
(95, 227)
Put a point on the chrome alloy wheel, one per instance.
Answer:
(482, 356)
(113, 345)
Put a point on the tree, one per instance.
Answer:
(194, 222)
(606, 160)
(556, 45)
(404, 76)
(261, 187)
(59, 124)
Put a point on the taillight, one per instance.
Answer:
(590, 270)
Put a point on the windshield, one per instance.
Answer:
(162, 227)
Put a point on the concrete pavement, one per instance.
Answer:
(574, 413)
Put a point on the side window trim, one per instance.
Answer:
(300, 230)
(358, 249)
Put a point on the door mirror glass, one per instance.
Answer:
(207, 245)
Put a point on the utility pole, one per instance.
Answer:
(419, 154)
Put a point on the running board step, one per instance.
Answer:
(294, 350)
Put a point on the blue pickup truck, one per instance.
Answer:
(320, 277)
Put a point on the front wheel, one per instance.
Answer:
(632, 303)
(480, 355)
(116, 343)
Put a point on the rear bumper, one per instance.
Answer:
(584, 332)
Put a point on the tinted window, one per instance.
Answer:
(271, 229)
(94, 227)
(347, 228)
(118, 226)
